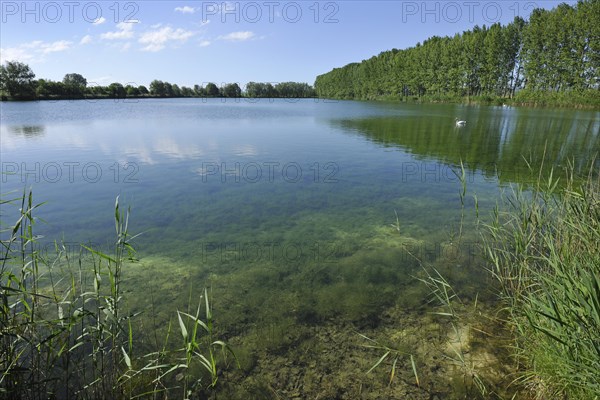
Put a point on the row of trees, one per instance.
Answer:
(284, 89)
(555, 51)
(17, 81)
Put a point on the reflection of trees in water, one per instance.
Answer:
(512, 148)
(29, 131)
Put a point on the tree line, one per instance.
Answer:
(17, 82)
(556, 54)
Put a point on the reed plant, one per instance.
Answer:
(543, 247)
(65, 332)
(395, 352)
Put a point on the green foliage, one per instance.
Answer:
(293, 90)
(231, 90)
(16, 80)
(132, 91)
(260, 90)
(116, 91)
(157, 88)
(289, 90)
(212, 90)
(555, 52)
(67, 334)
(194, 345)
(543, 250)
(74, 85)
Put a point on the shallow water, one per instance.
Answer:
(295, 213)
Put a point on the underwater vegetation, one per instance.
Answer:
(380, 312)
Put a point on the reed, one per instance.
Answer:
(542, 247)
(65, 332)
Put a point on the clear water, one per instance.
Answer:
(284, 208)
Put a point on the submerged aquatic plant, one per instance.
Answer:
(444, 294)
(395, 353)
(445, 297)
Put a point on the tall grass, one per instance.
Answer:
(65, 332)
(544, 250)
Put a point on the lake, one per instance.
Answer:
(310, 221)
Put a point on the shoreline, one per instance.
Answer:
(498, 102)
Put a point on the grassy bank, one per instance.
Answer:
(543, 246)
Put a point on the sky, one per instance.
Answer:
(196, 42)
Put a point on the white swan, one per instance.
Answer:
(460, 123)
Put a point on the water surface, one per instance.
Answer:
(297, 213)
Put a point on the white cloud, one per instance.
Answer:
(158, 39)
(238, 36)
(125, 31)
(33, 51)
(185, 10)
(15, 54)
(99, 21)
(86, 39)
(204, 43)
(33, 45)
(54, 47)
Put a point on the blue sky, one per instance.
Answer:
(194, 42)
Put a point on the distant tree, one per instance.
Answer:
(16, 80)
(212, 90)
(157, 88)
(74, 85)
(232, 90)
(176, 90)
(294, 90)
(199, 91)
(169, 90)
(270, 90)
(74, 80)
(143, 90)
(116, 91)
(284, 89)
(254, 89)
(132, 91)
(187, 92)
(97, 91)
(259, 89)
(43, 89)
